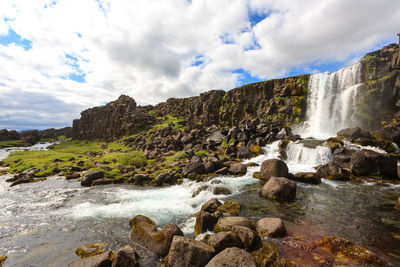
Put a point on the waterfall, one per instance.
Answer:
(332, 99)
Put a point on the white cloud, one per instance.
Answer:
(148, 48)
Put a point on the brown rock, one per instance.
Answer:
(221, 190)
(227, 223)
(306, 177)
(223, 240)
(185, 252)
(273, 167)
(271, 227)
(89, 250)
(126, 257)
(230, 206)
(238, 169)
(249, 238)
(398, 204)
(279, 188)
(204, 222)
(211, 205)
(102, 260)
(232, 257)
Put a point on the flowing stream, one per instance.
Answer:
(41, 224)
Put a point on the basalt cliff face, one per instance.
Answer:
(279, 101)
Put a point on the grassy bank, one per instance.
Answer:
(14, 143)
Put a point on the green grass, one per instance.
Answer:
(181, 155)
(167, 121)
(14, 143)
(133, 158)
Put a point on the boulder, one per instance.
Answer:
(88, 179)
(346, 249)
(306, 177)
(279, 188)
(227, 223)
(185, 252)
(216, 137)
(230, 206)
(144, 232)
(266, 254)
(249, 238)
(204, 222)
(273, 167)
(126, 257)
(102, 260)
(222, 171)
(193, 168)
(221, 190)
(243, 153)
(350, 132)
(371, 163)
(223, 240)
(232, 257)
(200, 189)
(211, 205)
(271, 227)
(102, 181)
(332, 171)
(238, 169)
(89, 250)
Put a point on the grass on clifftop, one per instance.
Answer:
(14, 143)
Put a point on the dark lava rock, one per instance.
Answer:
(88, 179)
(371, 163)
(211, 205)
(193, 168)
(126, 257)
(332, 171)
(204, 222)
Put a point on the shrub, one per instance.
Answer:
(133, 158)
(181, 155)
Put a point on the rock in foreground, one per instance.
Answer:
(232, 257)
(279, 188)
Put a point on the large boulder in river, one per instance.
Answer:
(204, 222)
(273, 167)
(371, 163)
(271, 227)
(306, 177)
(88, 179)
(211, 205)
(227, 223)
(279, 188)
(194, 168)
(144, 232)
(188, 252)
(350, 132)
(332, 171)
(238, 169)
(232, 257)
(223, 240)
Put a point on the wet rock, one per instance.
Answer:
(204, 222)
(216, 137)
(243, 153)
(102, 260)
(200, 189)
(227, 223)
(230, 206)
(271, 227)
(188, 252)
(2, 260)
(89, 250)
(193, 168)
(397, 204)
(102, 181)
(279, 188)
(238, 169)
(211, 205)
(72, 176)
(346, 249)
(126, 257)
(256, 150)
(247, 236)
(306, 177)
(273, 167)
(144, 232)
(222, 171)
(350, 132)
(232, 257)
(266, 255)
(332, 171)
(141, 178)
(220, 190)
(256, 175)
(88, 179)
(223, 240)
(371, 163)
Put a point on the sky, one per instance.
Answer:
(60, 57)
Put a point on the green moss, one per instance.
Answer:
(14, 143)
(201, 153)
(133, 158)
(167, 121)
(152, 112)
(181, 155)
(370, 60)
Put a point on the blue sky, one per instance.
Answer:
(154, 50)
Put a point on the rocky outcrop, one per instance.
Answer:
(6, 135)
(273, 167)
(114, 120)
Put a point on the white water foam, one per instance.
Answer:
(332, 99)
(350, 145)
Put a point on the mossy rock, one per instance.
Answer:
(265, 254)
(256, 150)
(89, 250)
(256, 175)
(2, 260)
(231, 207)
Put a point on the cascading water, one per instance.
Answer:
(332, 99)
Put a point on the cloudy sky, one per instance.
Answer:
(60, 57)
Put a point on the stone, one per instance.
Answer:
(397, 204)
(230, 206)
(102, 181)
(332, 171)
(223, 240)
(279, 188)
(88, 179)
(217, 137)
(232, 257)
(249, 238)
(243, 153)
(265, 255)
(306, 177)
(185, 252)
(126, 257)
(193, 168)
(256, 175)
(89, 250)
(211, 205)
(346, 249)
(271, 227)
(2, 260)
(371, 163)
(102, 260)
(144, 232)
(350, 132)
(221, 190)
(200, 189)
(238, 169)
(222, 171)
(204, 222)
(227, 223)
(273, 167)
